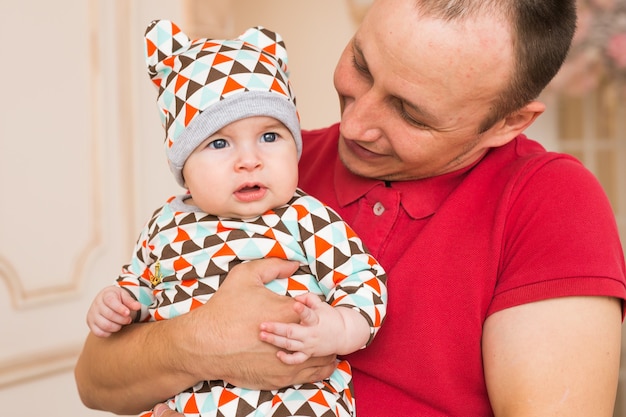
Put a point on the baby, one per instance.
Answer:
(233, 141)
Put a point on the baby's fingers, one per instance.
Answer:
(281, 335)
(102, 327)
(293, 358)
(130, 302)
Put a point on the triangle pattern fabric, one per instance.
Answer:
(195, 251)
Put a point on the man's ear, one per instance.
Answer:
(512, 125)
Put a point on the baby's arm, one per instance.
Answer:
(323, 330)
(112, 308)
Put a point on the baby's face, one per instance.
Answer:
(243, 170)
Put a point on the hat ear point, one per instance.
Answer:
(163, 38)
(269, 42)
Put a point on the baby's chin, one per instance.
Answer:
(249, 213)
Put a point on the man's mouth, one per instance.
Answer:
(355, 148)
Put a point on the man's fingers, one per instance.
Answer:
(270, 268)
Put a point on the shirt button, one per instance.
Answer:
(379, 209)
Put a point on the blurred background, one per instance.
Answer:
(82, 164)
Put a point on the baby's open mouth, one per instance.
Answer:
(249, 188)
(248, 193)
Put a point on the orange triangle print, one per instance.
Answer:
(344, 367)
(277, 87)
(321, 246)
(181, 263)
(348, 395)
(277, 252)
(349, 232)
(271, 49)
(270, 234)
(301, 210)
(231, 85)
(226, 397)
(180, 81)
(146, 274)
(330, 387)
(190, 112)
(293, 285)
(375, 284)
(319, 398)
(188, 282)
(151, 47)
(194, 304)
(338, 277)
(338, 299)
(220, 59)
(157, 316)
(209, 44)
(190, 406)
(221, 228)
(265, 59)
(377, 322)
(225, 250)
(169, 61)
(182, 236)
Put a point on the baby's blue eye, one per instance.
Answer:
(218, 144)
(269, 137)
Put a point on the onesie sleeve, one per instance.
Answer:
(348, 274)
(135, 276)
(561, 238)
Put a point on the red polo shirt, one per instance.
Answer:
(521, 225)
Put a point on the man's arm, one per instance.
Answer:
(144, 364)
(558, 357)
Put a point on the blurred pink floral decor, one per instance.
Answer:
(598, 53)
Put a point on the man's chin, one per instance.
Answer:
(356, 167)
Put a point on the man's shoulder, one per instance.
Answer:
(525, 156)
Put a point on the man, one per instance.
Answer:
(506, 273)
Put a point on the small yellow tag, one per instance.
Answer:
(156, 278)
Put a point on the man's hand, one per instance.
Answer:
(233, 317)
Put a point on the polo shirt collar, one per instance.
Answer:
(420, 198)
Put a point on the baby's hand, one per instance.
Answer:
(303, 340)
(112, 308)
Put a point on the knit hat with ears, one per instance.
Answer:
(205, 84)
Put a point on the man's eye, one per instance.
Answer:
(411, 120)
(269, 137)
(218, 144)
(360, 68)
(408, 118)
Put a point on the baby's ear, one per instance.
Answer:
(269, 42)
(163, 40)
